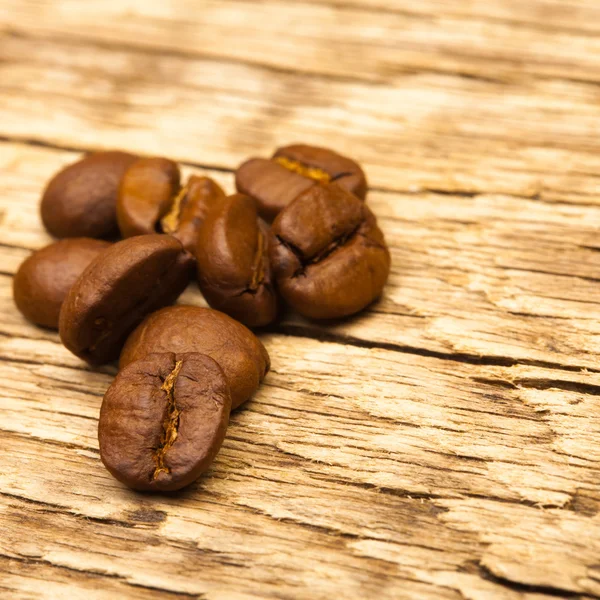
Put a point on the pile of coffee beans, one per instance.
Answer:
(297, 232)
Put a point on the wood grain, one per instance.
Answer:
(443, 444)
(420, 131)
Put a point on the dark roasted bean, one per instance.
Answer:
(45, 278)
(151, 200)
(180, 329)
(163, 420)
(234, 273)
(291, 171)
(328, 255)
(81, 200)
(117, 290)
(146, 194)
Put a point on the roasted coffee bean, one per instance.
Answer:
(291, 171)
(81, 200)
(328, 255)
(190, 208)
(44, 279)
(118, 289)
(151, 200)
(146, 194)
(234, 273)
(181, 329)
(163, 420)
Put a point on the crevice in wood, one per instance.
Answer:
(551, 273)
(458, 193)
(329, 531)
(47, 507)
(567, 386)
(364, 418)
(576, 457)
(318, 394)
(523, 588)
(29, 141)
(473, 359)
(586, 247)
(101, 575)
(331, 337)
(549, 318)
(541, 384)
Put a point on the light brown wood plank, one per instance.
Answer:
(426, 132)
(414, 480)
(23, 578)
(444, 443)
(366, 40)
(348, 426)
(580, 16)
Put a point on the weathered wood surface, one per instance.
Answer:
(445, 444)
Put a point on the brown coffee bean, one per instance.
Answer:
(291, 171)
(328, 255)
(118, 289)
(44, 279)
(80, 201)
(181, 329)
(234, 273)
(163, 420)
(146, 194)
(151, 200)
(190, 208)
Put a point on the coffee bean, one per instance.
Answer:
(146, 194)
(80, 201)
(234, 273)
(190, 208)
(328, 255)
(44, 279)
(151, 200)
(291, 171)
(118, 289)
(163, 420)
(181, 329)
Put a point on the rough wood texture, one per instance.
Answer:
(444, 444)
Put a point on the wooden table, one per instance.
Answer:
(443, 444)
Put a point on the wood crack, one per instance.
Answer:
(551, 273)
(101, 575)
(331, 337)
(47, 507)
(473, 359)
(524, 588)
(541, 384)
